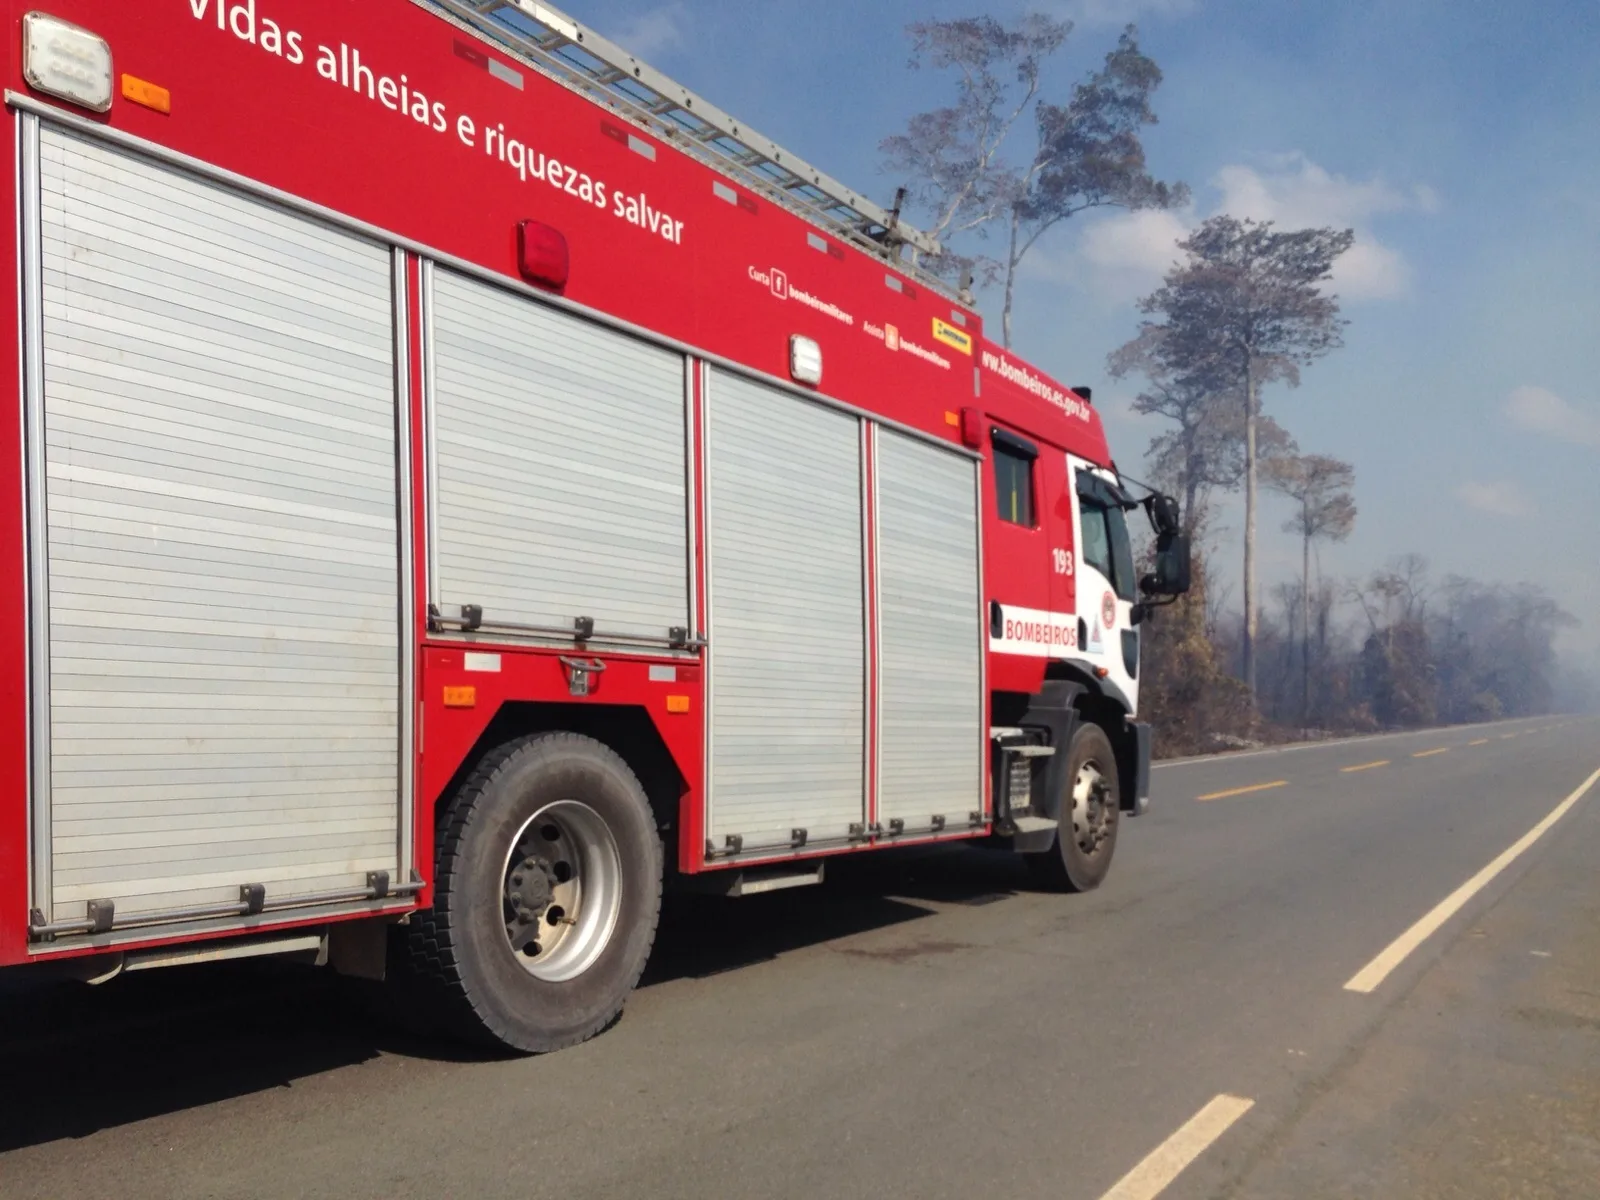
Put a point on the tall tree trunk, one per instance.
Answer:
(1011, 283)
(1305, 625)
(1250, 531)
(1193, 462)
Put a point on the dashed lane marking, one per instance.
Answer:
(1245, 791)
(1479, 742)
(1431, 753)
(1168, 1160)
(1382, 762)
(1376, 971)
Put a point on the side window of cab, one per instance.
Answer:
(1014, 461)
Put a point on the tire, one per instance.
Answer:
(1068, 866)
(506, 963)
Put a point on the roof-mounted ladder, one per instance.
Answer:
(555, 44)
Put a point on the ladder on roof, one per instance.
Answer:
(555, 44)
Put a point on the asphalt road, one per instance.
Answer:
(929, 1027)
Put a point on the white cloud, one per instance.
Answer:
(1296, 193)
(1127, 252)
(1500, 498)
(654, 32)
(1542, 411)
(1369, 270)
(1124, 255)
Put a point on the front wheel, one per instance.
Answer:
(1090, 815)
(546, 898)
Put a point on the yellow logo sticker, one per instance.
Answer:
(951, 336)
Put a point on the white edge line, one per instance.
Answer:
(1168, 1160)
(1224, 756)
(1375, 972)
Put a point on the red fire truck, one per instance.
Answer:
(461, 479)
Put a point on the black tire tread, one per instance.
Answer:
(1049, 867)
(430, 944)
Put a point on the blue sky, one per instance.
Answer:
(1460, 141)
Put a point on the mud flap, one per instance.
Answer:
(1133, 764)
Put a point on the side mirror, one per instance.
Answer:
(1164, 514)
(1174, 561)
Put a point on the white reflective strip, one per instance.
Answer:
(1035, 633)
(505, 74)
(489, 663)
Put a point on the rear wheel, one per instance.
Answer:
(1090, 815)
(546, 898)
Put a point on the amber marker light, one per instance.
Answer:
(461, 697)
(147, 94)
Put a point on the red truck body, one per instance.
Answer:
(380, 133)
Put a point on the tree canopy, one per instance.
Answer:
(1245, 308)
(1086, 153)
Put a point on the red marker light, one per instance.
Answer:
(972, 428)
(542, 255)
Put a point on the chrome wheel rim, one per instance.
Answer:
(1093, 809)
(561, 891)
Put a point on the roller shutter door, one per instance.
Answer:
(219, 445)
(930, 681)
(560, 466)
(786, 658)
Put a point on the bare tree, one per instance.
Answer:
(1206, 450)
(1248, 303)
(952, 156)
(1087, 152)
(1089, 156)
(1324, 511)
(1398, 665)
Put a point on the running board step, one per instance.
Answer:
(1033, 824)
(755, 881)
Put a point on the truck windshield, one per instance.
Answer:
(1106, 544)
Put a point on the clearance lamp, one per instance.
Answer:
(60, 59)
(805, 360)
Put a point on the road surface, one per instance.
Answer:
(1365, 969)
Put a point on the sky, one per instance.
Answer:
(1461, 142)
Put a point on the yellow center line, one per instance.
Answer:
(1382, 762)
(1431, 753)
(1479, 742)
(1507, 736)
(1259, 787)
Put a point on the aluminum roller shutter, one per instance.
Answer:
(930, 670)
(219, 444)
(786, 658)
(560, 466)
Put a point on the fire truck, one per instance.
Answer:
(460, 481)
